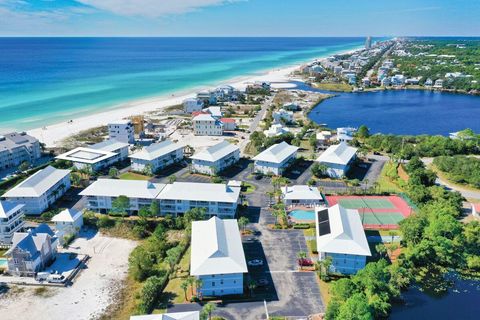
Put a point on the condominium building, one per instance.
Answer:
(39, 191)
(275, 159)
(217, 257)
(338, 159)
(207, 125)
(157, 156)
(216, 158)
(11, 220)
(16, 148)
(122, 130)
(115, 146)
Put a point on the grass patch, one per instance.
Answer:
(325, 291)
(444, 176)
(133, 176)
(43, 292)
(248, 188)
(339, 87)
(385, 182)
(309, 232)
(250, 149)
(2, 252)
(312, 247)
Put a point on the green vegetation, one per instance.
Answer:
(338, 87)
(133, 176)
(460, 169)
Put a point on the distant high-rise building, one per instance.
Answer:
(368, 43)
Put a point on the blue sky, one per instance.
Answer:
(240, 17)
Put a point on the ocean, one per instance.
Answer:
(49, 80)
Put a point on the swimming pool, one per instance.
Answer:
(302, 215)
(3, 263)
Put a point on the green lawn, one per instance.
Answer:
(173, 292)
(385, 183)
(133, 176)
(2, 252)
(248, 188)
(342, 87)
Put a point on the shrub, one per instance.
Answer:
(151, 291)
(301, 226)
(105, 222)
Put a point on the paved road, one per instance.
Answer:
(254, 125)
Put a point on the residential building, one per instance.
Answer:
(216, 112)
(291, 106)
(385, 82)
(31, 251)
(39, 191)
(276, 159)
(475, 209)
(11, 220)
(428, 82)
(68, 222)
(398, 80)
(216, 158)
(368, 43)
(16, 148)
(101, 194)
(225, 93)
(115, 146)
(301, 195)
(275, 130)
(191, 105)
(88, 158)
(438, 84)
(345, 134)
(229, 124)
(282, 116)
(207, 125)
(218, 199)
(207, 97)
(157, 156)
(323, 137)
(338, 159)
(341, 237)
(189, 315)
(217, 257)
(122, 130)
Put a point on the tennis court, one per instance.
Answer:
(376, 212)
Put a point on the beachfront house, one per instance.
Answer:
(217, 199)
(16, 148)
(191, 105)
(207, 97)
(338, 159)
(275, 130)
(11, 220)
(229, 124)
(276, 159)
(216, 158)
(341, 237)
(68, 222)
(39, 191)
(122, 130)
(101, 194)
(31, 251)
(157, 156)
(217, 257)
(301, 195)
(188, 315)
(207, 125)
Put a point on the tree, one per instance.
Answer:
(154, 209)
(198, 285)
(242, 222)
(24, 166)
(381, 249)
(76, 179)
(173, 255)
(120, 205)
(355, 308)
(251, 286)
(319, 169)
(207, 310)
(184, 286)
(140, 263)
(172, 178)
(191, 282)
(363, 132)
(147, 170)
(113, 172)
(144, 213)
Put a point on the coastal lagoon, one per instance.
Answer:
(409, 112)
(49, 80)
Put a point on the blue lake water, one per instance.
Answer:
(48, 80)
(410, 112)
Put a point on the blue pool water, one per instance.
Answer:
(302, 215)
(3, 263)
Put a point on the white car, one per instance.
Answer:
(255, 263)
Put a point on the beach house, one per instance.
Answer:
(122, 130)
(282, 116)
(301, 195)
(275, 159)
(275, 130)
(16, 148)
(338, 159)
(217, 257)
(229, 124)
(207, 125)
(101, 194)
(217, 199)
(39, 191)
(216, 158)
(68, 222)
(341, 237)
(188, 315)
(207, 97)
(11, 220)
(31, 251)
(191, 105)
(345, 134)
(157, 156)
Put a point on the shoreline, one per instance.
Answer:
(52, 135)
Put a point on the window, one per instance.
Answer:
(213, 283)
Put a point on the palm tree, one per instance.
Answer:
(242, 222)
(208, 309)
(251, 286)
(191, 282)
(301, 256)
(184, 286)
(198, 286)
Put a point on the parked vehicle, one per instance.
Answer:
(42, 276)
(255, 263)
(262, 282)
(55, 278)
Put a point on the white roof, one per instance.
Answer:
(200, 192)
(110, 145)
(214, 111)
(67, 215)
(340, 153)
(8, 208)
(86, 155)
(204, 117)
(276, 153)
(38, 183)
(216, 248)
(156, 150)
(342, 231)
(301, 192)
(215, 152)
(191, 315)
(117, 187)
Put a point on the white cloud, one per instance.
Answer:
(152, 8)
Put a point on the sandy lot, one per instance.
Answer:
(91, 293)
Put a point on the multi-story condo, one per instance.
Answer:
(301, 195)
(31, 251)
(341, 237)
(217, 257)
(39, 191)
(157, 156)
(191, 105)
(218, 199)
(101, 194)
(338, 159)
(115, 146)
(122, 130)
(11, 220)
(275, 159)
(207, 125)
(216, 158)
(16, 148)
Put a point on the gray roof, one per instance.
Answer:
(156, 150)
(341, 154)
(276, 153)
(15, 139)
(37, 184)
(32, 241)
(110, 145)
(129, 188)
(193, 191)
(215, 152)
